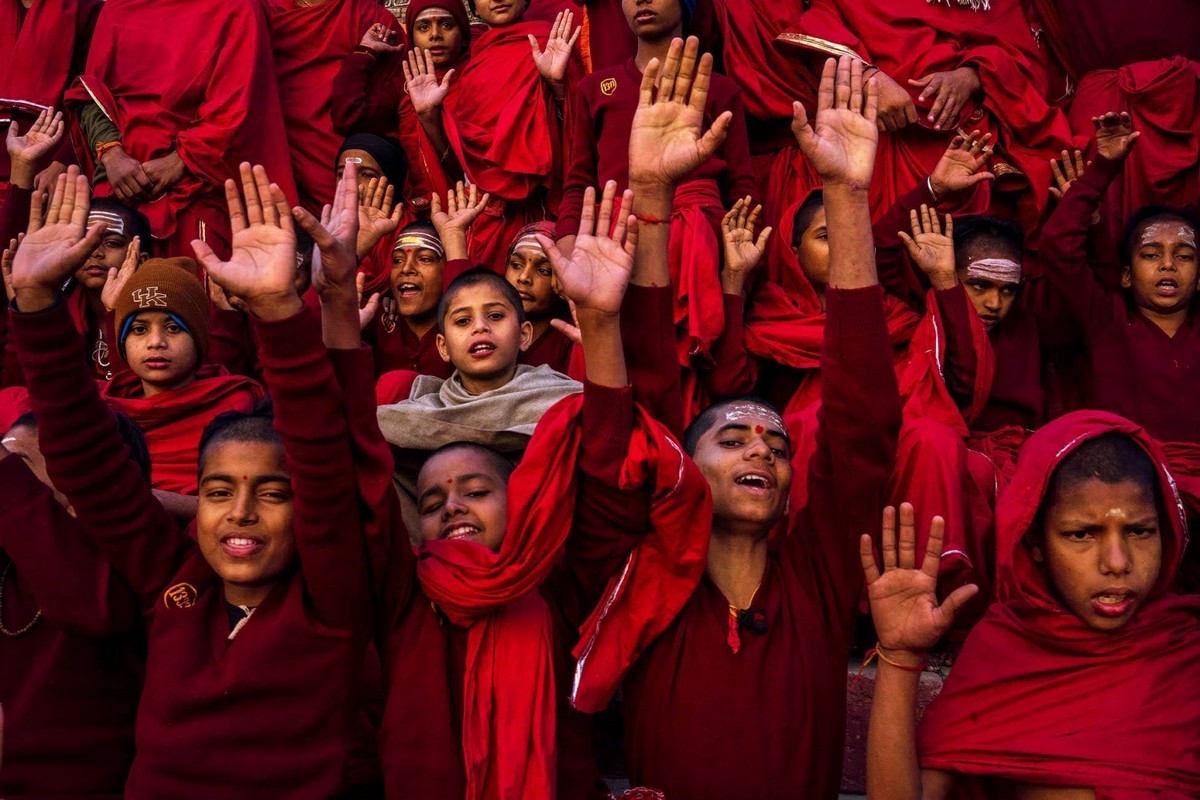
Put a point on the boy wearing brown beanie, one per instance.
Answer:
(162, 325)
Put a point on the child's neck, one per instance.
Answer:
(1169, 323)
(150, 389)
(540, 326)
(423, 324)
(476, 386)
(95, 304)
(655, 49)
(247, 596)
(737, 563)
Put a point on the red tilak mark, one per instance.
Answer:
(758, 428)
(245, 478)
(449, 481)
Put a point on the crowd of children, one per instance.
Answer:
(385, 404)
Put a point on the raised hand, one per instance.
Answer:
(666, 141)
(1114, 135)
(842, 145)
(37, 142)
(904, 605)
(425, 91)
(369, 309)
(896, 107)
(335, 257)
(262, 269)
(1066, 172)
(114, 284)
(961, 167)
(929, 248)
(951, 89)
(569, 329)
(743, 251)
(56, 243)
(6, 262)
(596, 275)
(463, 207)
(552, 62)
(378, 39)
(377, 219)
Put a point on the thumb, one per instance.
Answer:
(980, 177)
(761, 244)
(567, 329)
(957, 599)
(313, 228)
(533, 43)
(800, 127)
(711, 140)
(910, 244)
(207, 258)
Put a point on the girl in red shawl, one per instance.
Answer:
(528, 270)
(1070, 686)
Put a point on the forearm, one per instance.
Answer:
(734, 370)
(180, 506)
(851, 242)
(652, 204)
(893, 772)
(98, 130)
(340, 328)
(435, 132)
(602, 353)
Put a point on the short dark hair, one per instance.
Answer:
(238, 426)
(478, 277)
(1111, 458)
(498, 461)
(129, 431)
(136, 223)
(803, 218)
(705, 420)
(990, 231)
(1146, 215)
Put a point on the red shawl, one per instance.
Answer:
(174, 420)
(1064, 705)
(309, 44)
(14, 404)
(206, 90)
(38, 51)
(509, 705)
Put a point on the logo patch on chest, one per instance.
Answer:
(181, 595)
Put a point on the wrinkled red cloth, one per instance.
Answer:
(14, 404)
(1108, 709)
(214, 110)
(173, 421)
(310, 43)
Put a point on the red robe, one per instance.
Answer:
(173, 421)
(1110, 712)
(69, 685)
(309, 44)
(214, 111)
(909, 39)
(400, 348)
(40, 61)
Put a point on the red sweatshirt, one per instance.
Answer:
(219, 717)
(703, 722)
(1138, 371)
(70, 684)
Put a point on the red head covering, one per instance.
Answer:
(1039, 697)
(455, 7)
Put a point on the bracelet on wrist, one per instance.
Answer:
(879, 651)
(646, 219)
(932, 192)
(101, 149)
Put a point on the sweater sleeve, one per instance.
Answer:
(310, 418)
(89, 462)
(582, 159)
(735, 370)
(961, 362)
(648, 338)
(858, 427)
(47, 544)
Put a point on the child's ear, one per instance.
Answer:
(1126, 278)
(441, 347)
(526, 335)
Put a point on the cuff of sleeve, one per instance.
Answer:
(854, 313)
(735, 309)
(1101, 172)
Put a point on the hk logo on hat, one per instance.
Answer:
(150, 296)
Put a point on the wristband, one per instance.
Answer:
(878, 651)
(104, 148)
(646, 219)
(932, 193)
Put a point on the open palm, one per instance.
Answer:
(842, 143)
(552, 60)
(37, 142)
(58, 242)
(597, 273)
(424, 89)
(962, 165)
(1114, 135)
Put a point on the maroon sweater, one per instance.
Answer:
(1138, 371)
(270, 712)
(703, 722)
(70, 685)
(602, 119)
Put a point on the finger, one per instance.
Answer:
(906, 545)
(319, 233)
(926, 226)
(950, 114)
(935, 225)
(871, 111)
(841, 87)
(800, 127)
(923, 81)
(483, 201)
(670, 71)
(727, 220)
(254, 214)
(752, 220)
(949, 231)
(1056, 170)
(553, 254)
(856, 87)
(909, 244)
(887, 538)
(263, 184)
(207, 258)
(56, 200)
(646, 90)
(866, 552)
(37, 205)
(764, 237)
(631, 230)
(622, 229)
(826, 94)
(568, 330)
(687, 69)
(389, 198)
(81, 249)
(936, 113)
(954, 603)
(587, 222)
(533, 46)
(280, 209)
(932, 88)
(1055, 193)
(83, 201)
(574, 37)
(604, 222)
(711, 140)
(1079, 162)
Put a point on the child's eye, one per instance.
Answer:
(780, 452)
(478, 493)
(1078, 536)
(495, 316)
(1144, 532)
(174, 329)
(218, 493)
(544, 272)
(730, 443)
(432, 508)
(461, 321)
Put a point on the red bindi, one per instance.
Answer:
(758, 428)
(245, 478)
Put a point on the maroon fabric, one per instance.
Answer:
(553, 349)
(1085, 681)
(309, 44)
(70, 684)
(214, 111)
(14, 403)
(703, 722)
(230, 706)
(609, 38)
(401, 349)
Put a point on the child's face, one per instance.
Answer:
(244, 517)
(498, 13)
(813, 252)
(368, 167)
(747, 461)
(1102, 549)
(992, 299)
(530, 274)
(109, 254)
(160, 352)
(416, 281)
(460, 495)
(439, 33)
(1163, 272)
(652, 20)
(483, 337)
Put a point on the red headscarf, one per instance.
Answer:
(508, 691)
(1038, 697)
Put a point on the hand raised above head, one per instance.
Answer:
(378, 215)
(552, 62)
(335, 236)
(262, 268)
(425, 91)
(114, 284)
(667, 140)
(842, 144)
(931, 249)
(742, 250)
(1114, 135)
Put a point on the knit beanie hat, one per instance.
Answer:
(168, 285)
